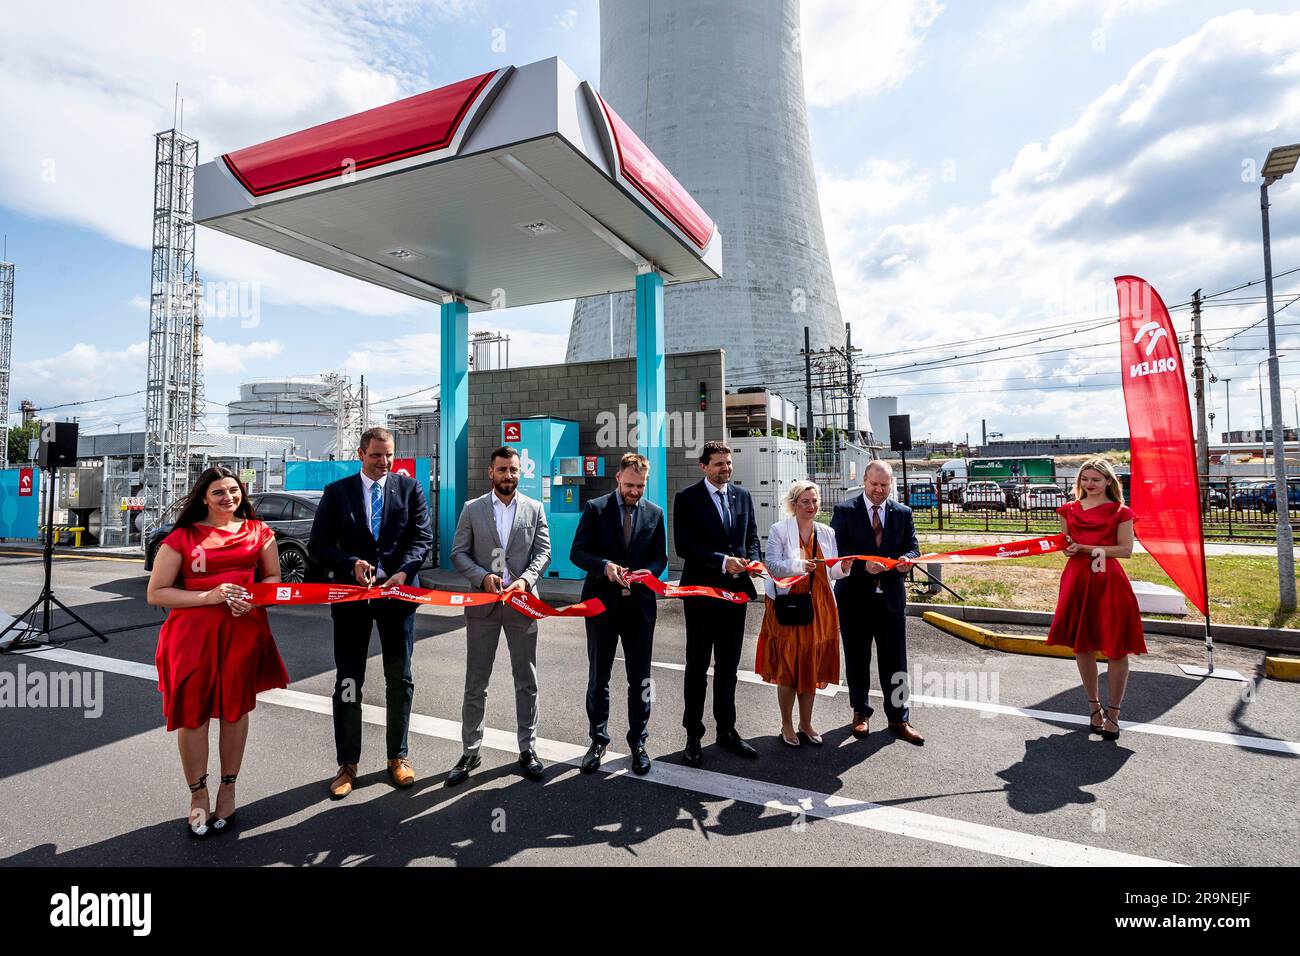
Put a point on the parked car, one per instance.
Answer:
(1268, 496)
(1248, 496)
(983, 494)
(1044, 497)
(921, 493)
(289, 514)
(1012, 491)
(1215, 498)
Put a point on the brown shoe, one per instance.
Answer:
(906, 731)
(859, 727)
(341, 785)
(399, 768)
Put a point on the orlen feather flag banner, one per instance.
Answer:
(1164, 489)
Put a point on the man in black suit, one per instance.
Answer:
(715, 536)
(873, 601)
(617, 533)
(372, 527)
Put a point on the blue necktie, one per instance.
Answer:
(726, 512)
(376, 509)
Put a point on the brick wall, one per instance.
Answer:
(582, 391)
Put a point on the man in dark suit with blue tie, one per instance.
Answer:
(715, 535)
(372, 528)
(618, 533)
(873, 601)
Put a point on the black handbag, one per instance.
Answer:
(795, 610)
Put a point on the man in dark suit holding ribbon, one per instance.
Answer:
(372, 528)
(619, 533)
(873, 601)
(716, 536)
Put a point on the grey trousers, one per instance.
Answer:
(482, 636)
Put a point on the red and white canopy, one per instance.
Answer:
(514, 187)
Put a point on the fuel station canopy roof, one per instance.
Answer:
(515, 187)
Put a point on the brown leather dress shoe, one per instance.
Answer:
(399, 768)
(906, 731)
(341, 785)
(859, 727)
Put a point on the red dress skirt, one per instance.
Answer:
(1096, 609)
(211, 663)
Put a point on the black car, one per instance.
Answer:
(289, 514)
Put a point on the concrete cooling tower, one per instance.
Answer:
(715, 89)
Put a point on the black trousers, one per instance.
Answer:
(714, 629)
(352, 628)
(865, 619)
(625, 621)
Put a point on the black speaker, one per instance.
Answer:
(58, 448)
(900, 432)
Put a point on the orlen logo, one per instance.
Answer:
(1153, 333)
(512, 431)
(284, 594)
(25, 483)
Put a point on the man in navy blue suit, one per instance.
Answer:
(372, 528)
(873, 601)
(715, 535)
(618, 533)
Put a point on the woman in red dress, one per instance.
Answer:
(215, 650)
(1096, 610)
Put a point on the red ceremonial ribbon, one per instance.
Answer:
(522, 601)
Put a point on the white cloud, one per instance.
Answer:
(85, 85)
(1146, 180)
(231, 358)
(853, 49)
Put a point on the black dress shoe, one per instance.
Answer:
(591, 762)
(736, 744)
(693, 753)
(460, 772)
(640, 761)
(532, 766)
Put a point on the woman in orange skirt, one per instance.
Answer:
(215, 650)
(801, 654)
(1096, 611)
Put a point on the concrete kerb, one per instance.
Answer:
(1010, 643)
(1262, 638)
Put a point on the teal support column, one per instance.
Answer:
(651, 392)
(453, 427)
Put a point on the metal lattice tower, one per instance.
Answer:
(6, 349)
(169, 392)
(197, 398)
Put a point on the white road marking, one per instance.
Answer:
(994, 841)
(1268, 744)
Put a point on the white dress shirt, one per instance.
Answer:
(366, 484)
(504, 516)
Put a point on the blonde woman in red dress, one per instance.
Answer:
(1097, 611)
(215, 650)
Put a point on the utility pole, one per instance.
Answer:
(807, 390)
(848, 361)
(1227, 397)
(1198, 374)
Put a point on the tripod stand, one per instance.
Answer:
(30, 638)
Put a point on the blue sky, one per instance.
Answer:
(985, 168)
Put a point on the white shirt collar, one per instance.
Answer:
(367, 481)
(714, 489)
(498, 503)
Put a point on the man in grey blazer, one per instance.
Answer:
(501, 544)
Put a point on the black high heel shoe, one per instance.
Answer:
(1095, 728)
(1111, 734)
(221, 824)
(196, 824)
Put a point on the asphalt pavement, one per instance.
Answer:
(1205, 771)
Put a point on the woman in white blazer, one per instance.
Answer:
(800, 658)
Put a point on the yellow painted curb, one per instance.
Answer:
(1282, 668)
(1009, 643)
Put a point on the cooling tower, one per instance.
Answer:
(715, 89)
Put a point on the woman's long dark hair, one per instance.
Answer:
(195, 508)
